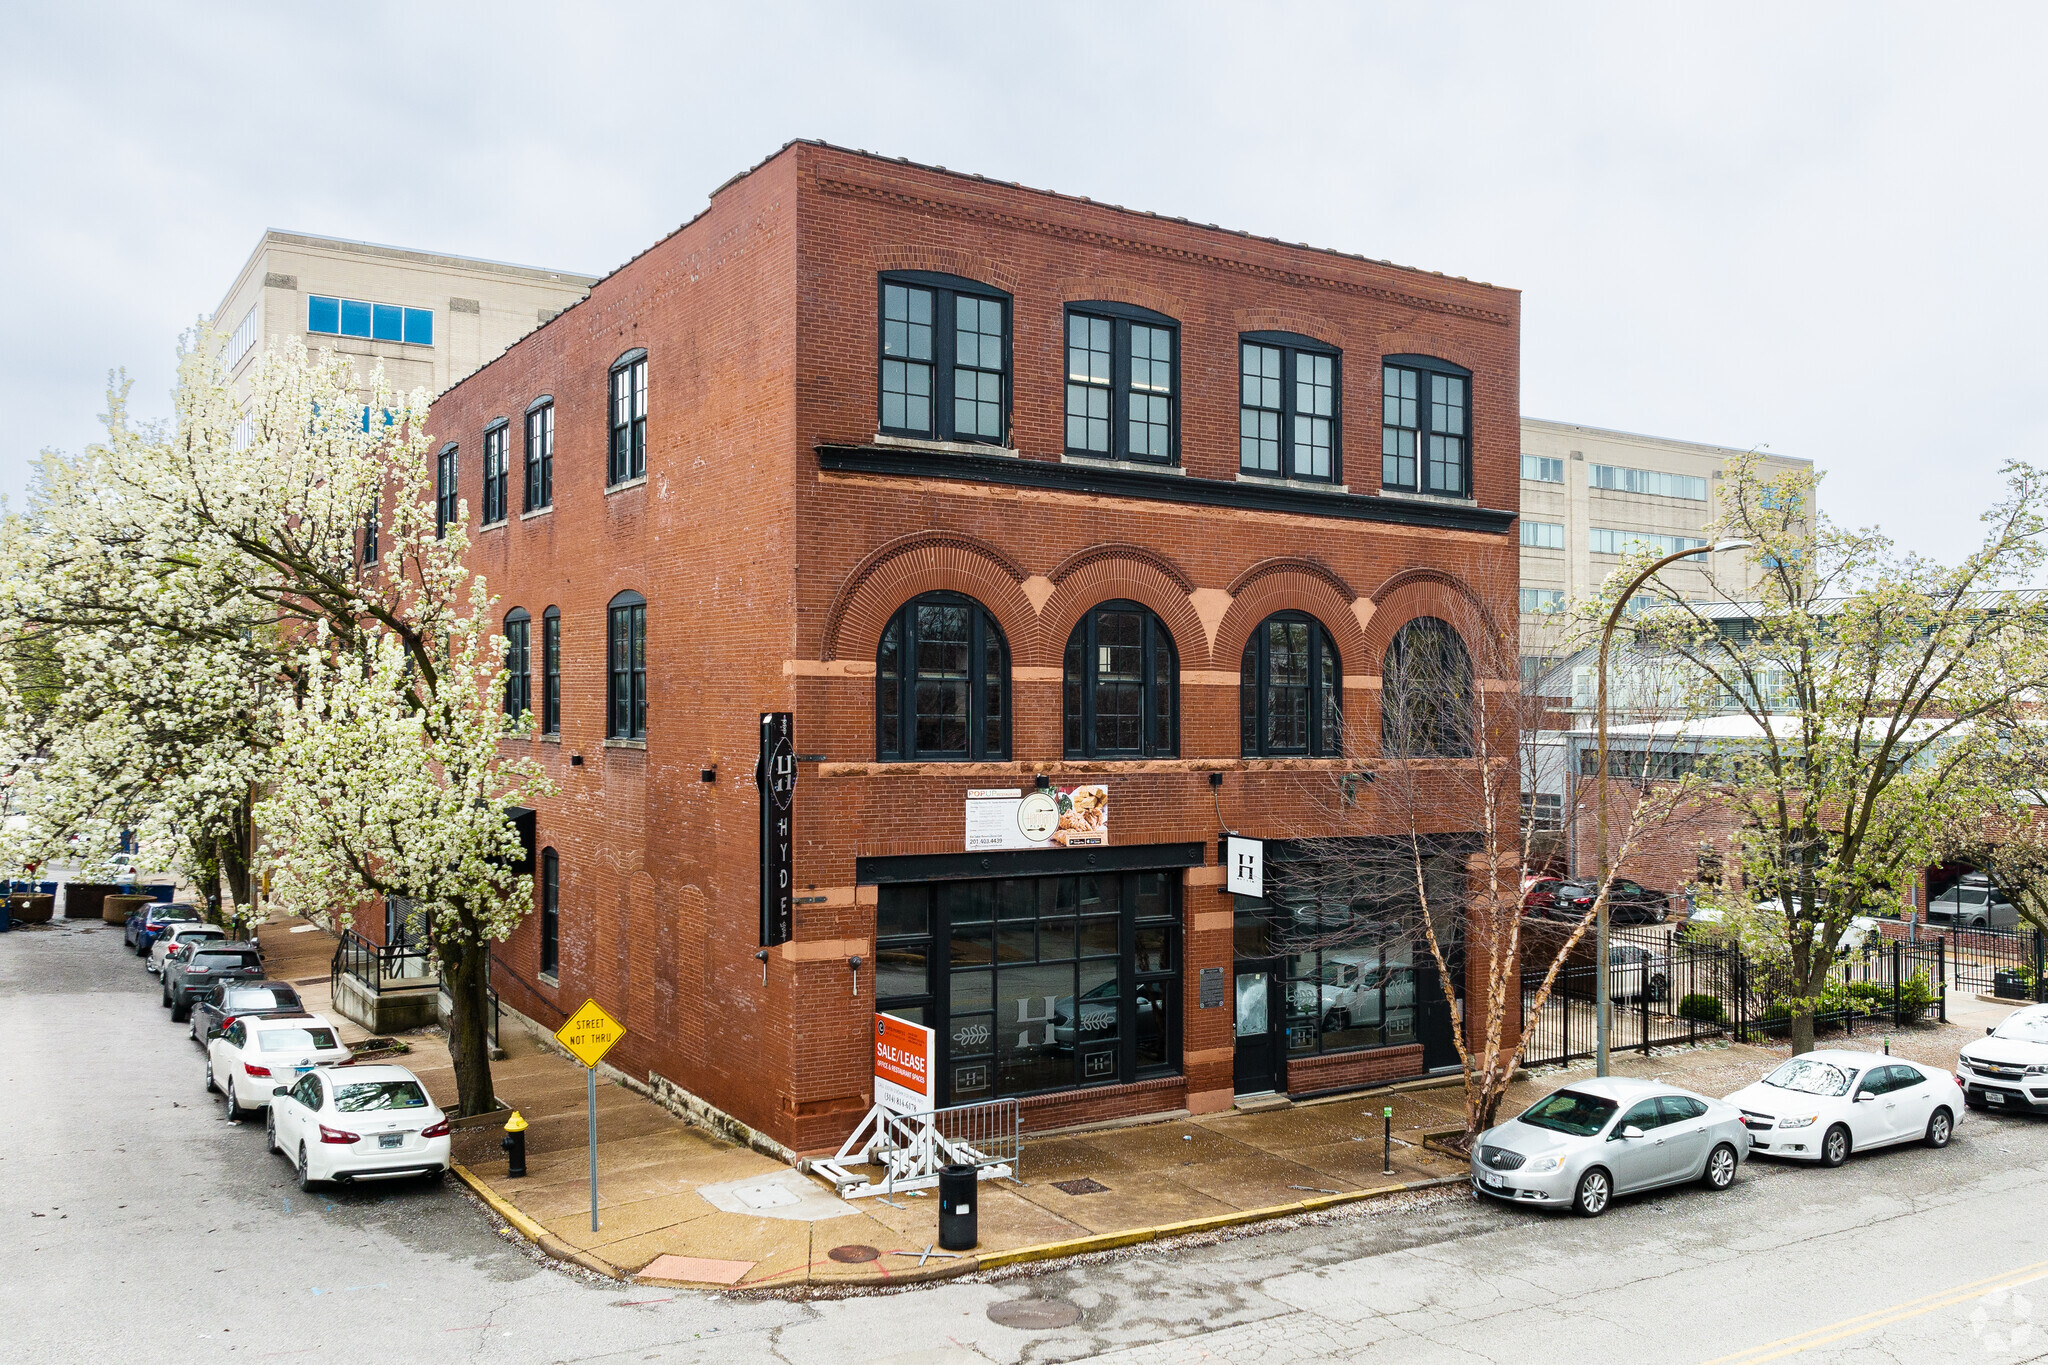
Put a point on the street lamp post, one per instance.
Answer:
(1602, 1006)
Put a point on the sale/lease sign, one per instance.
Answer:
(903, 1065)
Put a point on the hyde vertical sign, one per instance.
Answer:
(776, 777)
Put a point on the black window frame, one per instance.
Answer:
(551, 671)
(946, 291)
(1255, 692)
(447, 508)
(371, 548)
(626, 443)
(902, 629)
(518, 663)
(1292, 347)
(497, 471)
(1080, 681)
(1451, 732)
(550, 912)
(1427, 369)
(1121, 317)
(540, 455)
(625, 652)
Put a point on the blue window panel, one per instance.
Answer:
(355, 318)
(389, 324)
(323, 314)
(419, 326)
(366, 419)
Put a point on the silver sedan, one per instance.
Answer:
(1581, 1146)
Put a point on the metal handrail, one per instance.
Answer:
(377, 965)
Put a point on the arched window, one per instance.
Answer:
(1291, 689)
(1426, 693)
(628, 451)
(626, 655)
(518, 663)
(942, 682)
(550, 911)
(551, 671)
(1119, 687)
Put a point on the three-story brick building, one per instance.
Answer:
(1065, 535)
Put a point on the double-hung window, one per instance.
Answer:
(944, 362)
(1425, 426)
(540, 455)
(551, 671)
(1287, 407)
(628, 457)
(626, 649)
(1123, 383)
(496, 459)
(518, 663)
(445, 507)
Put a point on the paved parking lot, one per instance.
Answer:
(141, 1226)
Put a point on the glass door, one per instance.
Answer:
(1258, 1027)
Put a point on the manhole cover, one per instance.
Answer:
(1033, 1315)
(854, 1254)
(1082, 1186)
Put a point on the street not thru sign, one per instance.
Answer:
(590, 1033)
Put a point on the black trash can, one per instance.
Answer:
(956, 1209)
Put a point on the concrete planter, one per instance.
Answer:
(113, 909)
(34, 909)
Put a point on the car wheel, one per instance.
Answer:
(233, 1105)
(1595, 1190)
(1834, 1148)
(1720, 1173)
(166, 993)
(270, 1131)
(1940, 1128)
(306, 1181)
(210, 1086)
(181, 1011)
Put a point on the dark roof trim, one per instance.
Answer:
(1086, 480)
(1050, 862)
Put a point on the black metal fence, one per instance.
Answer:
(1667, 989)
(379, 966)
(2001, 962)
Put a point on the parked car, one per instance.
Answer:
(145, 924)
(177, 933)
(1634, 971)
(1973, 903)
(1348, 994)
(255, 1054)
(190, 976)
(228, 1000)
(2008, 1067)
(1539, 894)
(1823, 1105)
(1579, 1147)
(357, 1123)
(1637, 973)
(1627, 902)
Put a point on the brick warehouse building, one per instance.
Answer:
(992, 490)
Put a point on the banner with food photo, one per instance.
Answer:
(1047, 817)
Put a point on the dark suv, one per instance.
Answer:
(237, 999)
(1627, 902)
(189, 977)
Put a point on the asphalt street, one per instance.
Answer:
(140, 1225)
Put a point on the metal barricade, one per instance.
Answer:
(912, 1149)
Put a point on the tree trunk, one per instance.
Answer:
(1802, 1032)
(469, 1035)
(234, 861)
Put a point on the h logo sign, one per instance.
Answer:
(1244, 866)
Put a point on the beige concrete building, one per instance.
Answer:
(431, 319)
(1590, 495)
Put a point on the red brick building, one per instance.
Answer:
(993, 491)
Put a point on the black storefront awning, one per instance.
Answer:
(1031, 862)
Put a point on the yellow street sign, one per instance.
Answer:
(590, 1033)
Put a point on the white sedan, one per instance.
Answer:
(357, 1123)
(1822, 1105)
(255, 1054)
(176, 933)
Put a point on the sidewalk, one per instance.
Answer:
(679, 1205)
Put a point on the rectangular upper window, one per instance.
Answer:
(445, 505)
(1123, 382)
(1425, 426)
(1543, 535)
(331, 316)
(495, 475)
(1287, 407)
(1654, 482)
(1542, 601)
(1608, 541)
(944, 359)
(1542, 469)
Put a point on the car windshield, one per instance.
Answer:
(365, 1095)
(1568, 1111)
(2024, 1028)
(293, 1039)
(1810, 1077)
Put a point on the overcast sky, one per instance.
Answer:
(1808, 228)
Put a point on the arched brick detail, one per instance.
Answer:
(947, 260)
(1073, 563)
(1423, 341)
(1288, 589)
(1432, 592)
(1106, 577)
(1118, 289)
(928, 561)
(1295, 564)
(1287, 320)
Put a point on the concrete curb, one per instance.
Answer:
(532, 1231)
